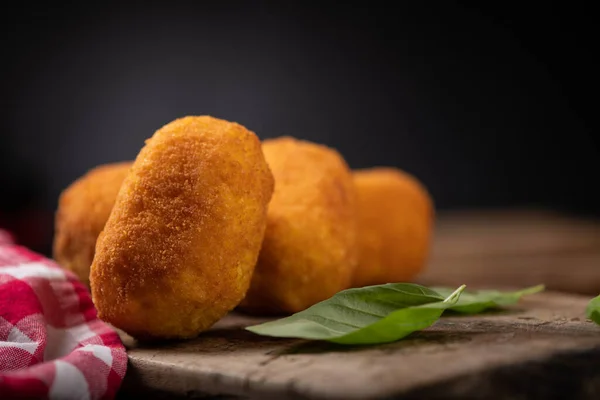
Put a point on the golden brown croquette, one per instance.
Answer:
(309, 250)
(180, 246)
(395, 218)
(83, 209)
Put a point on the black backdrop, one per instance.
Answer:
(487, 105)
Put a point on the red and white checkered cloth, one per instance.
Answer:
(52, 345)
(5, 238)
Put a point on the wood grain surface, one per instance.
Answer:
(515, 248)
(542, 348)
(539, 348)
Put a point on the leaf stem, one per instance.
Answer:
(454, 296)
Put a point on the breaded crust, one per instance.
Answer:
(180, 246)
(83, 209)
(309, 251)
(395, 225)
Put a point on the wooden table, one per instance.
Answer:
(515, 248)
(541, 348)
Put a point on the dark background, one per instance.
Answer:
(487, 105)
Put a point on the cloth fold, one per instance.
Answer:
(52, 344)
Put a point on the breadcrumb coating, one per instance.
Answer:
(395, 218)
(309, 250)
(83, 209)
(180, 246)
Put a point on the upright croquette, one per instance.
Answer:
(309, 251)
(181, 243)
(83, 209)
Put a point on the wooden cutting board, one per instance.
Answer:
(541, 348)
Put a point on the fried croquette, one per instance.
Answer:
(83, 209)
(395, 218)
(181, 243)
(308, 252)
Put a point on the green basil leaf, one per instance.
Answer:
(592, 311)
(368, 315)
(481, 300)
